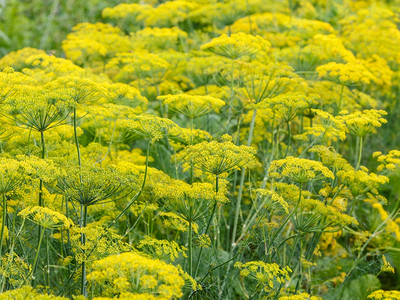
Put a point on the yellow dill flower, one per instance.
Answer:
(90, 185)
(332, 216)
(94, 42)
(361, 182)
(38, 107)
(148, 126)
(27, 292)
(330, 158)
(168, 14)
(48, 67)
(384, 295)
(46, 217)
(266, 275)
(135, 273)
(386, 266)
(299, 169)
(15, 269)
(287, 106)
(192, 106)
(263, 81)
(82, 90)
(325, 126)
(159, 38)
(362, 123)
(389, 162)
(237, 45)
(202, 69)
(161, 248)
(351, 73)
(174, 221)
(272, 198)
(302, 296)
(391, 226)
(130, 66)
(186, 136)
(16, 59)
(328, 47)
(126, 15)
(203, 241)
(217, 158)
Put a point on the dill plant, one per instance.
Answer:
(204, 151)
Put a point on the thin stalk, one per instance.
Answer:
(76, 139)
(209, 221)
(3, 225)
(340, 100)
(191, 143)
(242, 177)
(288, 217)
(289, 138)
(83, 243)
(37, 255)
(190, 248)
(360, 148)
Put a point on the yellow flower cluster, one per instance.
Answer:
(390, 161)
(237, 45)
(151, 127)
(160, 248)
(134, 274)
(46, 217)
(272, 198)
(266, 275)
(28, 292)
(361, 123)
(218, 158)
(192, 106)
(302, 296)
(351, 73)
(384, 295)
(391, 225)
(299, 170)
(328, 213)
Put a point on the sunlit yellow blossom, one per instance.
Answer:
(361, 123)
(266, 275)
(46, 217)
(132, 273)
(218, 158)
(302, 296)
(191, 105)
(299, 169)
(148, 126)
(237, 45)
(160, 248)
(384, 295)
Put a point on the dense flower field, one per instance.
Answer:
(238, 149)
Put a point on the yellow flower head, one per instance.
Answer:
(237, 45)
(299, 170)
(46, 217)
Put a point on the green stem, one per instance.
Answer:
(209, 221)
(191, 160)
(242, 177)
(190, 249)
(289, 138)
(360, 148)
(287, 218)
(76, 138)
(3, 225)
(83, 243)
(37, 255)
